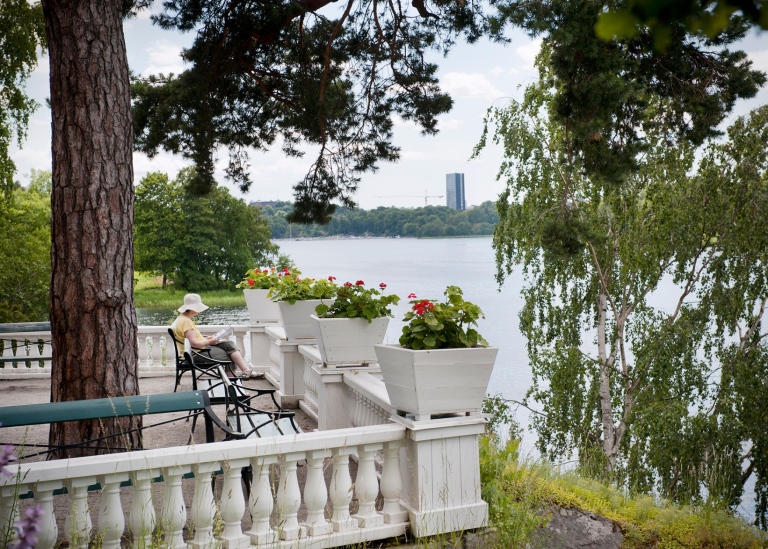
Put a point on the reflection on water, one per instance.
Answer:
(163, 316)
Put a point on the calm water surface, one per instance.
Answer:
(421, 266)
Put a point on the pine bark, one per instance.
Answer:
(93, 319)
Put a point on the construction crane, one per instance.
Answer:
(426, 195)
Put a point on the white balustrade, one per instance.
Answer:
(32, 354)
(263, 455)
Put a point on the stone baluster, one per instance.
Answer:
(9, 509)
(261, 502)
(49, 531)
(289, 497)
(111, 517)
(357, 413)
(233, 505)
(341, 491)
(316, 494)
(392, 484)
(203, 506)
(142, 519)
(173, 516)
(367, 487)
(78, 525)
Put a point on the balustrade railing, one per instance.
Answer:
(276, 494)
(28, 354)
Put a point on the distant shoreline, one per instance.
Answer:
(353, 237)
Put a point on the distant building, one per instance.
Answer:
(454, 191)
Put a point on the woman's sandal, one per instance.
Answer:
(251, 374)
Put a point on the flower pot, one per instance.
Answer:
(349, 340)
(297, 320)
(438, 381)
(261, 309)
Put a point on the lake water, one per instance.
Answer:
(425, 267)
(420, 266)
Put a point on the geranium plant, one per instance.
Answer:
(442, 325)
(290, 287)
(263, 278)
(357, 301)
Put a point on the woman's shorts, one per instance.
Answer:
(222, 350)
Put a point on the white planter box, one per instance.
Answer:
(436, 381)
(297, 320)
(349, 340)
(261, 309)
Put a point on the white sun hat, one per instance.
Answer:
(194, 303)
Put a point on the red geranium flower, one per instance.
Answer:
(347, 284)
(411, 296)
(265, 271)
(251, 282)
(382, 285)
(360, 283)
(331, 278)
(286, 270)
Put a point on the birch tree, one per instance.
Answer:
(644, 304)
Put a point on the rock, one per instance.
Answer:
(576, 529)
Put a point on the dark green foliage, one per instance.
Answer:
(609, 95)
(327, 80)
(198, 243)
(21, 34)
(662, 16)
(431, 221)
(25, 246)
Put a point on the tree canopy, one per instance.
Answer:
(302, 74)
(644, 303)
(21, 34)
(197, 243)
(25, 246)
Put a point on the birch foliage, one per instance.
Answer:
(644, 304)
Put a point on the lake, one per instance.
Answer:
(420, 266)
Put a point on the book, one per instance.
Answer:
(224, 333)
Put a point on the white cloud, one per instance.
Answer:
(528, 53)
(496, 71)
(413, 155)
(164, 57)
(469, 85)
(759, 60)
(448, 123)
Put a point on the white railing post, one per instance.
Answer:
(392, 484)
(341, 491)
(9, 509)
(174, 513)
(442, 475)
(316, 494)
(367, 487)
(49, 531)
(111, 517)
(261, 501)
(78, 524)
(142, 519)
(289, 497)
(203, 506)
(232, 506)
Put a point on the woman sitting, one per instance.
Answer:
(184, 327)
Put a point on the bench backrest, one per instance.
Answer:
(101, 408)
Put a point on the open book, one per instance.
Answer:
(224, 333)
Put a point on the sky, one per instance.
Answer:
(477, 77)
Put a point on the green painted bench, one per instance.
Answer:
(109, 408)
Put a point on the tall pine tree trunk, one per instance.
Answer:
(93, 320)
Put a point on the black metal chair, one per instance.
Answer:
(183, 365)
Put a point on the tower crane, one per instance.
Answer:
(426, 195)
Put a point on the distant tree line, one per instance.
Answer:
(430, 221)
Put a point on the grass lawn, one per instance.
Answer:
(148, 292)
